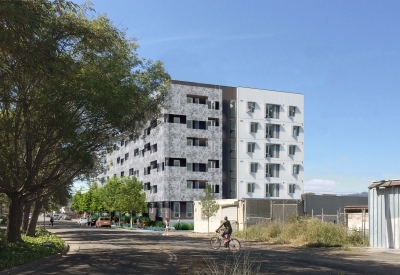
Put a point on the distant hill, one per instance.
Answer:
(362, 194)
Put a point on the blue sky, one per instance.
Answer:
(344, 56)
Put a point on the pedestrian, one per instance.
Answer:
(51, 220)
(166, 226)
(179, 224)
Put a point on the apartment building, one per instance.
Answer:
(245, 143)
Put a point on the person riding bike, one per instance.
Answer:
(227, 229)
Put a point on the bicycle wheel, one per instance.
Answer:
(215, 243)
(234, 245)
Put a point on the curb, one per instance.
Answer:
(23, 267)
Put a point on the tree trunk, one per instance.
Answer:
(131, 219)
(35, 215)
(25, 220)
(208, 224)
(14, 218)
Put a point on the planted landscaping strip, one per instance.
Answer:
(33, 250)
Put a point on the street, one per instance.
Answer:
(115, 251)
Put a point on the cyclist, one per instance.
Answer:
(227, 229)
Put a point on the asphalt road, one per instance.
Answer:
(115, 251)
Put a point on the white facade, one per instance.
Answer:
(284, 129)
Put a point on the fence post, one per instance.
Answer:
(322, 215)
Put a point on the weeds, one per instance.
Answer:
(303, 232)
(241, 263)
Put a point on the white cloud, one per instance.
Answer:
(321, 186)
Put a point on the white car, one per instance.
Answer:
(56, 216)
(82, 221)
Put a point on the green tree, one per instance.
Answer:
(68, 84)
(208, 205)
(110, 195)
(132, 197)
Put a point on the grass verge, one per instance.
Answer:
(31, 249)
(303, 232)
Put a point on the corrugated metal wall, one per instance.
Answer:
(384, 215)
(330, 204)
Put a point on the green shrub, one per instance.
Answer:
(31, 249)
(144, 219)
(184, 226)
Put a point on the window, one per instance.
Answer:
(233, 190)
(233, 169)
(251, 106)
(177, 162)
(160, 167)
(195, 124)
(232, 107)
(166, 209)
(214, 187)
(118, 160)
(159, 205)
(272, 131)
(122, 173)
(177, 120)
(197, 167)
(189, 142)
(292, 188)
(211, 123)
(153, 148)
(296, 130)
(292, 110)
(189, 166)
(122, 161)
(189, 124)
(177, 209)
(250, 147)
(189, 184)
(269, 150)
(211, 164)
(250, 187)
(153, 189)
(189, 99)
(253, 127)
(271, 111)
(233, 128)
(292, 149)
(146, 186)
(272, 170)
(131, 172)
(272, 190)
(233, 149)
(253, 167)
(213, 105)
(151, 208)
(296, 169)
(126, 156)
(196, 99)
(189, 209)
(136, 152)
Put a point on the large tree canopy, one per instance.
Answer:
(68, 83)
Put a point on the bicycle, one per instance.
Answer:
(233, 244)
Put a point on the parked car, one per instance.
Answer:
(66, 217)
(103, 221)
(91, 222)
(47, 214)
(56, 216)
(82, 221)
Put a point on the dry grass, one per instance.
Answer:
(303, 232)
(242, 263)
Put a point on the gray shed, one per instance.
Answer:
(384, 214)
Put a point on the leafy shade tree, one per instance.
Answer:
(132, 197)
(208, 205)
(76, 201)
(68, 84)
(110, 195)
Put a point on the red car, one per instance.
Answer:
(103, 221)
